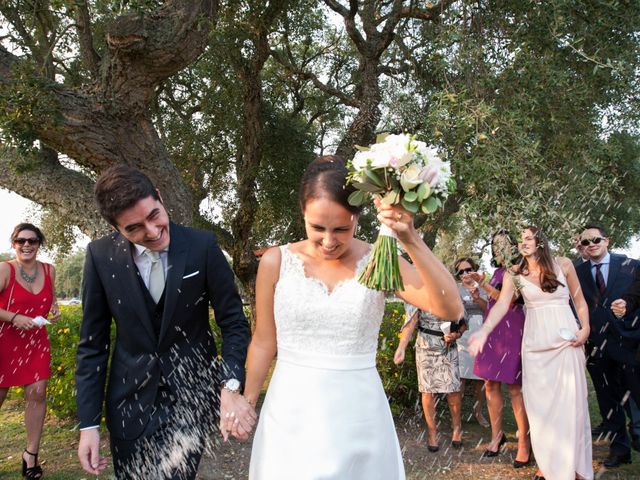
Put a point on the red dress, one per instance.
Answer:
(25, 355)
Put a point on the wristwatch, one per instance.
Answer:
(233, 385)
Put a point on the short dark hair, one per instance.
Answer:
(325, 177)
(27, 226)
(469, 260)
(120, 187)
(590, 226)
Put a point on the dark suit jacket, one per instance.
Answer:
(604, 325)
(183, 353)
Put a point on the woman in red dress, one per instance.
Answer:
(27, 292)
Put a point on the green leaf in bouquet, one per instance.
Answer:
(430, 205)
(411, 196)
(439, 202)
(381, 137)
(394, 183)
(361, 148)
(374, 177)
(367, 187)
(423, 191)
(410, 206)
(391, 198)
(357, 198)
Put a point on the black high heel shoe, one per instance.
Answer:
(490, 453)
(519, 464)
(32, 473)
(433, 448)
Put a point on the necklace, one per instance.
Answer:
(29, 278)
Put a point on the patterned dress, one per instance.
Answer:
(436, 361)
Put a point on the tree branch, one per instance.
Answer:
(88, 53)
(145, 50)
(41, 182)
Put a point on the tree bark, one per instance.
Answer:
(109, 122)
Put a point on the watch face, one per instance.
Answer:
(232, 384)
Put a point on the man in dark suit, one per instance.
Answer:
(604, 278)
(156, 279)
(627, 309)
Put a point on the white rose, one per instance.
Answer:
(360, 160)
(410, 178)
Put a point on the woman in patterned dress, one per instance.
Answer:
(438, 369)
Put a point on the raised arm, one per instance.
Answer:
(497, 313)
(262, 349)
(427, 283)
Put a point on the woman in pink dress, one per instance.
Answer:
(27, 292)
(554, 384)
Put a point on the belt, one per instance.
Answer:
(428, 331)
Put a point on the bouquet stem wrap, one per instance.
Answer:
(382, 271)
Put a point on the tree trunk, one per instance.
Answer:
(108, 122)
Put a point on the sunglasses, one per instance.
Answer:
(30, 241)
(594, 240)
(459, 273)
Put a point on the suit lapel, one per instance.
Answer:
(615, 263)
(586, 280)
(175, 270)
(131, 286)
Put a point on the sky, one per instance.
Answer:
(15, 209)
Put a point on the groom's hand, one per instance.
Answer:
(237, 416)
(89, 452)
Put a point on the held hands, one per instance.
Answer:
(619, 308)
(89, 452)
(237, 416)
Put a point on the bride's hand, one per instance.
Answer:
(476, 342)
(396, 218)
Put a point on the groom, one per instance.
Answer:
(155, 280)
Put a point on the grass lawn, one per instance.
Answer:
(57, 450)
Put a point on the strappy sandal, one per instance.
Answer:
(34, 472)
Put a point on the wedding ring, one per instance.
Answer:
(399, 216)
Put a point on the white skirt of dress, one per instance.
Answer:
(325, 418)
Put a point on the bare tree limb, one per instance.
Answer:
(88, 53)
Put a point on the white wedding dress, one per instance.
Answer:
(325, 415)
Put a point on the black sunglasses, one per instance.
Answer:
(30, 241)
(459, 273)
(594, 240)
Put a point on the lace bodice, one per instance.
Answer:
(310, 319)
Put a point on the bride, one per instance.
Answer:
(325, 415)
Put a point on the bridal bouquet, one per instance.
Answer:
(399, 170)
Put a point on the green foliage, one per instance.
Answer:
(64, 336)
(69, 275)
(24, 103)
(400, 382)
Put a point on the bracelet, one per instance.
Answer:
(13, 318)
